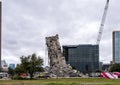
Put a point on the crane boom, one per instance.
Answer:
(102, 23)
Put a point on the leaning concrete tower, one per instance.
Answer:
(58, 66)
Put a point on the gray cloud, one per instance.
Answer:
(26, 23)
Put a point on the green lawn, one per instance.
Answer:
(63, 81)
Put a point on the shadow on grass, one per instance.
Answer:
(61, 84)
(75, 84)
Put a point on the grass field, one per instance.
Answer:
(63, 81)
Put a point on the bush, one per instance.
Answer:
(115, 67)
(18, 78)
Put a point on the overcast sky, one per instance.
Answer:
(26, 23)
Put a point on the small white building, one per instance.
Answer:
(4, 66)
(4, 75)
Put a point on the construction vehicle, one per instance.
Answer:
(102, 23)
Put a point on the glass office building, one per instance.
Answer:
(12, 66)
(84, 58)
(116, 47)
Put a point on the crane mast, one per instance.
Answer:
(102, 23)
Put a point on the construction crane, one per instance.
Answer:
(102, 23)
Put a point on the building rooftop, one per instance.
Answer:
(79, 45)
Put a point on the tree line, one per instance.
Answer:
(32, 63)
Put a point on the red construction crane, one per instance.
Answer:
(102, 23)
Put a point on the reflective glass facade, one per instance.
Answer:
(12, 66)
(83, 57)
(116, 46)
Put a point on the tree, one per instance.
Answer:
(11, 71)
(19, 69)
(30, 64)
(115, 67)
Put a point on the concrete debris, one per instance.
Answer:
(58, 66)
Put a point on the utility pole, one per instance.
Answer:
(0, 31)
